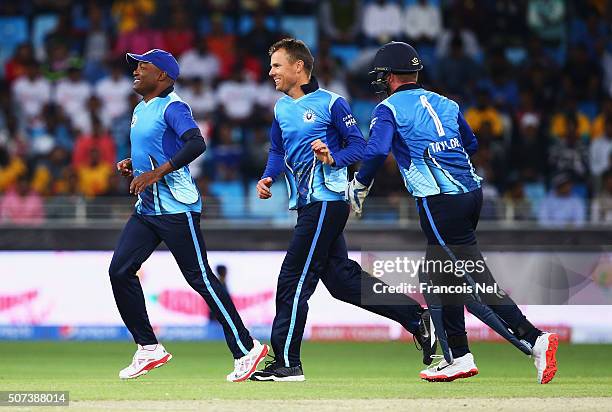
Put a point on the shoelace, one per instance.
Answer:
(269, 362)
(434, 364)
(141, 359)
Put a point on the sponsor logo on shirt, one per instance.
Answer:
(349, 120)
(309, 116)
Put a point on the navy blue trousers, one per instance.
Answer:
(318, 251)
(181, 233)
(449, 222)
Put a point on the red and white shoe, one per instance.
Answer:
(247, 365)
(544, 356)
(144, 360)
(462, 367)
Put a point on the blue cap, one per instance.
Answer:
(160, 58)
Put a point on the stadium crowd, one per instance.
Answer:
(533, 78)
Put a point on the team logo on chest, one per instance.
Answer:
(134, 118)
(309, 116)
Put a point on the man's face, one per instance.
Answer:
(282, 71)
(146, 77)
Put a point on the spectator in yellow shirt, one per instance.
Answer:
(127, 12)
(559, 121)
(484, 112)
(599, 123)
(94, 177)
(11, 167)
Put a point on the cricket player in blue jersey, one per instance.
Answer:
(314, 137)
(432, 144)
(165, 139)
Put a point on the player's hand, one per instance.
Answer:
(140, 182)
(322, 152)
(125, 167)
(263, 188)
(356, 192)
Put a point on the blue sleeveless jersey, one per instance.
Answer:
(430, 141)
(157, 126)
(323, 115)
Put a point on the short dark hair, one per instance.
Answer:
(296, 50)
(407, 77)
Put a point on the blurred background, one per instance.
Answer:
(532, 77)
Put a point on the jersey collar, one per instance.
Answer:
(311, 86)
(167, 91)
(408, 86)
(164, 93)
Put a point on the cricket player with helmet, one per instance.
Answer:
(314, 137)
(432, 144)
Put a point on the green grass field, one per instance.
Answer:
(333, 371)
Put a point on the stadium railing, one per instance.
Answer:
(397, 212)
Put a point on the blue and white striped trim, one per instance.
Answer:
(209, 286)
(476, 178)
(447, 249)
(313, 170)
(298, 291)
(447, 174)
(155, 190)
(435, 230)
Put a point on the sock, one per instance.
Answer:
(149, 347)
(458, 345)
(526, 331)
(532, 336)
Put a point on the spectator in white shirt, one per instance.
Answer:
(471, 47)
(340, 20)
(601, 207)
(31, 92)
(382, 21)
(423, 22)
(97, 40)
(600, 153)
(561, 207)
(237, 96)
(267, 95)
(199, 62)
(72, 94)
(113, 91)
(199, 96)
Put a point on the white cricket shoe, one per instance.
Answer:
(245, 366)
(544, 356)
(144, 360)
(462, 367)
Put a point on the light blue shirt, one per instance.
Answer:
(319, 114)
(430, 141)
(156, 130)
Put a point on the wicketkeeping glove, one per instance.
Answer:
(356, 192)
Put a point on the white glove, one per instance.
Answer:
(356, 192)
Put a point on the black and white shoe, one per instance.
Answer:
(276, 371)
(425, 339)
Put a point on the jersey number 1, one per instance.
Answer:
(433, 115)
